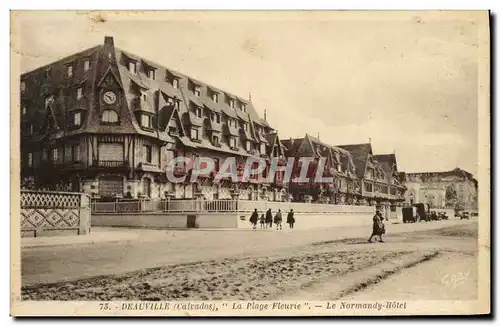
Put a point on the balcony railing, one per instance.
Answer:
(109, 164)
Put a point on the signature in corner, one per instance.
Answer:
(455, 280)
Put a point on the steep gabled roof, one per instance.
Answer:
(388, 162)
(360, 154)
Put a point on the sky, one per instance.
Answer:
(407, 81)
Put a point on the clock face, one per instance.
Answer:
(109, 97)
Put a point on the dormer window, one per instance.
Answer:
(172, 130)
(194, 133)
(77, 119)
(175, 83)
(69, 72)
(248, 146)
(215, 117)
(243, 107)
(152, 73)
(232, 142)
(79, 92)
(199, 112)
(215, 140)
(215, 97)
(86, 65)
(245, 126)
(230, 102)
(146, 121)
(132, 66)
(263, 148)
(197, 90)
(23, 85)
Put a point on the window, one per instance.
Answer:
(230, 102)
(147, 153)
(144, 96)
(170, 101)
(46, 74)
(54, 155)
(109, 116)
(194, 133)
(177, 103)
(23, 85)
(197, 90)
(23, 109)
(243, 107)
(152, 74)
(32, 129)
(146, 121)
(77, 118)
(79, 92)
(86, 65)
(215, 140)
(263, 148)
(215, 97)
(132, 66)
(245, 126)
(172, 130)
(69, 70)
(30, 159)
(232, 142)
(248, 146)
(339, 168)
(199, 112)
(216, 117)
(75, 153)
(175, 83)
(368, 187)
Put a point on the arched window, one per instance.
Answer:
(109, 116)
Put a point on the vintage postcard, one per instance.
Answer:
(250, 163)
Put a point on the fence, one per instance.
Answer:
(188, 206)
(54, 211)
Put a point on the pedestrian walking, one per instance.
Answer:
(378, 227)
(254, 218)
(278, 219)
(290, 219)
(263, 222)
(269, 218)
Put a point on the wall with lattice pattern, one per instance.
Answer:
(51, 211)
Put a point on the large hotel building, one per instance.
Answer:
(107, 122)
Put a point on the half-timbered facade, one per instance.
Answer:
(107, 122)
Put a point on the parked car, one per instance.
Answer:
(442, 216)
(433, 216)
(465, 216)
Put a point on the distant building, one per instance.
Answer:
(449, 189)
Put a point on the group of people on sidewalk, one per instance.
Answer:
(266, 221)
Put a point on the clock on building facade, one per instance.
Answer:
(109, 97)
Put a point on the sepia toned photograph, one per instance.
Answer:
(250, 163)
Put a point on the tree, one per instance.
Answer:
(451, 196)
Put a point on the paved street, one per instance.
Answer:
(155, 248)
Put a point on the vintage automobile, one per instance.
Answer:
(465, 216)
(433, 216)
(442, 216)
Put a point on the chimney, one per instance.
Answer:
(108, 40)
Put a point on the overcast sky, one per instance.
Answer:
(407, 81)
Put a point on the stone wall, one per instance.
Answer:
(45, 212)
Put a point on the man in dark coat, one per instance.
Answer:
(278, 219)
(290, 219)
(269, 218)
(378, 227)
(254, 218)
